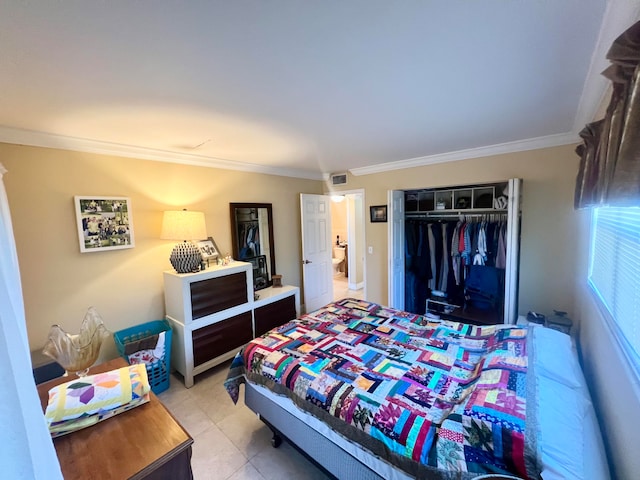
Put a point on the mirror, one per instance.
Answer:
(252, 240)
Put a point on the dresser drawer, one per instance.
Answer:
(217, 294)
(221, 337)
(274, 314)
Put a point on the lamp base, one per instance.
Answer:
(186, 257)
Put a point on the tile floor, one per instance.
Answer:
(230, 443)
(341, 288)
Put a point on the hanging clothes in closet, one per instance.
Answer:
(439, 255)
(249, 236)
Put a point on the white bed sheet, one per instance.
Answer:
(569, 438)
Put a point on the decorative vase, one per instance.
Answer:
(76, 353)
(186, 257)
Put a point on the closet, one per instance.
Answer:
(454, 251)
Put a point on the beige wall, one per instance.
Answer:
(60, 283)
(339, 221)
(547, 261)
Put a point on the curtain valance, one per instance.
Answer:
(609, 171)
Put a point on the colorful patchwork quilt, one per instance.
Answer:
(428, 396)
(85, 401)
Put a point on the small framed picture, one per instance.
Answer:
(209, 249)
(378, 213)
(104, 223)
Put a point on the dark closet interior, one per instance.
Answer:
(456, 244)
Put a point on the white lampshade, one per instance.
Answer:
(183, 225)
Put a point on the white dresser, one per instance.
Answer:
(213, 314)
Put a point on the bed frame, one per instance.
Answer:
(325, 454)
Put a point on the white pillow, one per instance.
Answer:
(555, 357)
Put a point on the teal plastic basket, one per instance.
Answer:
(158, 371)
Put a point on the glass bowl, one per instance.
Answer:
(76, 353)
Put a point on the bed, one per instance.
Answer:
(370, 392)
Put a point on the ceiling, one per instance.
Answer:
(303, 88)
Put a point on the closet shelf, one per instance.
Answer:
(472, 197)
(456, 212)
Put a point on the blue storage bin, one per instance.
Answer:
(158, 371)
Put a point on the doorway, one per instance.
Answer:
(348, 238)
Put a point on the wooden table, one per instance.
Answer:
(145, 442)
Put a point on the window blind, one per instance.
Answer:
(614, 271)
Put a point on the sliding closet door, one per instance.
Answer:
(513, 253)
(396, 249)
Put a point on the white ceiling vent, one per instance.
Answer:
(338, 179)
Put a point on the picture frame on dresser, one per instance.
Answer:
(208, 249)
(104, 223)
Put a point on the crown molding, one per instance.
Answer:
(498, 149)
(47, 140)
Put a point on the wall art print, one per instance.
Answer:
(104, 223)
(378, 213)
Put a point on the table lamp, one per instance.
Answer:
(186, 226)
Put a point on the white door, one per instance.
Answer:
(513, 253)
(355, 240)
(317, 270)
(396, 249)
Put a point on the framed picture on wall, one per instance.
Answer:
(378, 213)
(208, 249)
(104, 223)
